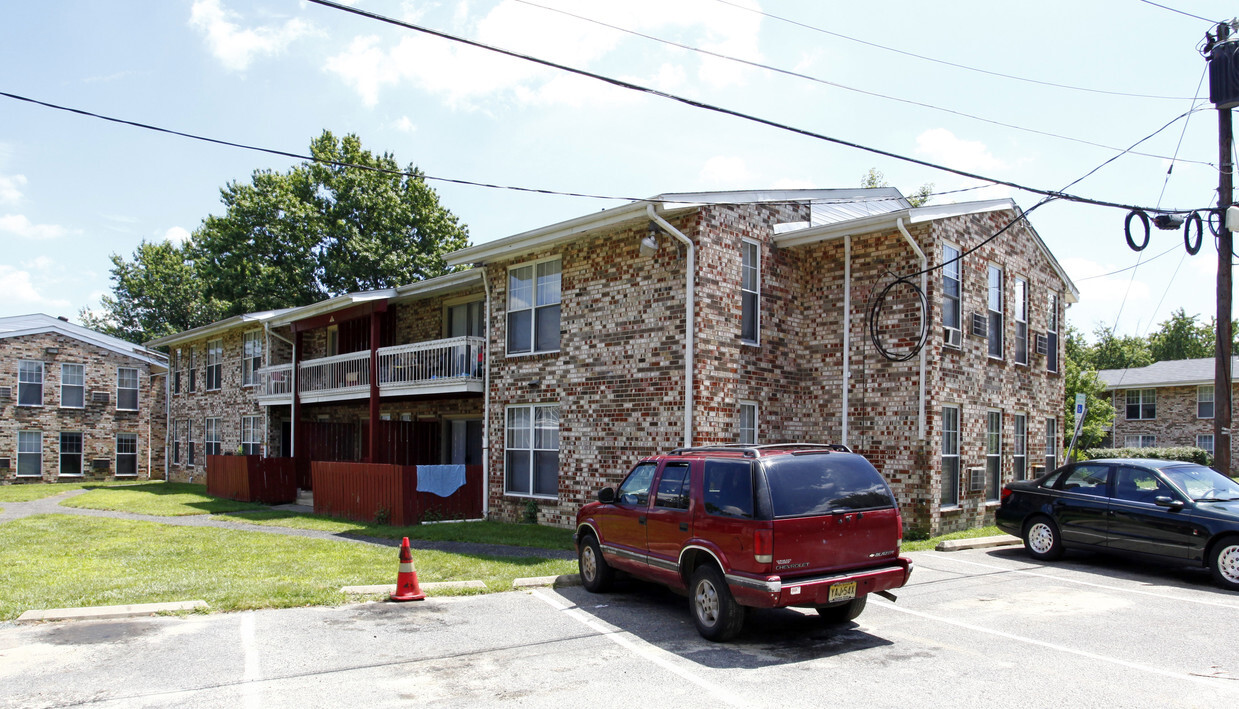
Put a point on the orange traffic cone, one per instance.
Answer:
(406, 579)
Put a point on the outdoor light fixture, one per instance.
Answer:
(649, 245)
(52, 350)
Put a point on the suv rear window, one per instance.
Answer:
(818, 484)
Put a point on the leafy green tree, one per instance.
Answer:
(1182, 337)
(1114, 352)
(348, 221)
(875, 178)
(156, 294)
(1098, 406)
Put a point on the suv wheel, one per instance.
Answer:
(843, 612)
(596, 574)
(717, 615)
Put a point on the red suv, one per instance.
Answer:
(804, 525)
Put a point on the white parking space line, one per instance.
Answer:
(1147, 669)
(1108, 587)
(638, 647)
(251, 690)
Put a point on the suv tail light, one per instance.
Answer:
(763, 545)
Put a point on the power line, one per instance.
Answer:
(966, 67)
(1128, 268)
(845, 87)
(1181, 12)
(1056, 194)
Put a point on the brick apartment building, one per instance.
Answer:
(76, 404)
(567, 352)
(1165, 404)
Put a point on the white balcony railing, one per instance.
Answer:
(429, 363)
(275, 381)
(335, 375)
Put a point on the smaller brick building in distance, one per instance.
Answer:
(1165, 404)
(76, 404)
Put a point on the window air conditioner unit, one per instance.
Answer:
(6, 392)
(6, 463)
(980, 326)
(951, 337)
(1043, 345)
(99, 397)
(101, 464)
(976, 479)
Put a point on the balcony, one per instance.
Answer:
(450, 366)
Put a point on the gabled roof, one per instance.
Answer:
(215, 328)
(1171, 373)
(38, 323)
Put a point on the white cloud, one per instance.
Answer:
(941, 145)
(404, 125)
(16, 287)
(236, 46)
(725, 171)
(177, 235)
(39, 263)
(19, 225)
(10, 188)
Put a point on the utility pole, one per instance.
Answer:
(1225, 249)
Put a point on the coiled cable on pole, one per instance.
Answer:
(1193, 218)
(1144, 220)
(875, 309)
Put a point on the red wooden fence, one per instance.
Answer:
(252, 478)
(400, 443)
(369, 492)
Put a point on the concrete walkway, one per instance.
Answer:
(51, 505)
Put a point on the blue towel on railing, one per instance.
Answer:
(442, 480)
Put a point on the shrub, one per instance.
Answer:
(1186, 454)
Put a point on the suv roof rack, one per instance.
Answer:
(752, 451)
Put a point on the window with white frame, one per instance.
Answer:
(994, 304)
(126, 454)
(750, 291)
(1051, 444)
(1205, 442)
(993, 455)
(211, 437)
(531, 451)
(70, 453)
(951, 294)
(177, 432)
(1204, 401)
(1141, 404)
(1051, 336)
(1140, 441)
(214, 364)
(251, 435)
(748, 422)
(189, 443)
(466, 319)
(29, 383)
(73, 386)
(1019, 441)
(177, 365)
(127, 388)
(193, 369)
(950, 456)
(1019, 293)
(251, 359)
(533, 307)
(29, 454)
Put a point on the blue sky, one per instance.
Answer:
(276, 73)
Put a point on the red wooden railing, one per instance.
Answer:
(252, 478)
(375, 492)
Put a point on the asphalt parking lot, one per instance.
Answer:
(975, 628)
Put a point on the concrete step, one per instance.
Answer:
(305, 497)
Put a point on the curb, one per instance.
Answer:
(390, 588)
(102, 612)
(544, 581)
(1002, 540)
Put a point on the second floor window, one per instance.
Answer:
(193, 369)
(73, 385)
(127, 388)
(214, 364)
(1019, 294)
(251, 360)
(994, 305)
(750, 291)
(1204, 401)
(533, 307)
(29, 383)
(1051, 336)
(951, 312)
(1141, 404)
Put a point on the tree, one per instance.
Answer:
(1114, 352)
(347, 222)
(1081, 378)
(156, 294)
(875, 178)
(1181, 337)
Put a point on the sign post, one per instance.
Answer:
(1080, 409)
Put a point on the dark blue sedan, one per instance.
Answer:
(1169, 510)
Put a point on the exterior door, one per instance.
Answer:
(465, 447)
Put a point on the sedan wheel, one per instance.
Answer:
(1042, 540)
(1225, 564)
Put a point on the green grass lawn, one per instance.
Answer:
(159, 498)
(928, 544)
(530, 535)
(27, 492)
(58, 561)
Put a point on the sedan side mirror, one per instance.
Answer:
(1168, 502)
(606, 495)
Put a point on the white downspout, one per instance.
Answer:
(689, 327)
(847, 329)
(486, 402)
(924, 289)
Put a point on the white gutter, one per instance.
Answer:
(167, 414)
(690, 325)
(924, 289)
(847, 329)
(486, 403)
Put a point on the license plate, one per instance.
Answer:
(841, 592)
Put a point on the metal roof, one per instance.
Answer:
(1175, 372)
(38, 323)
